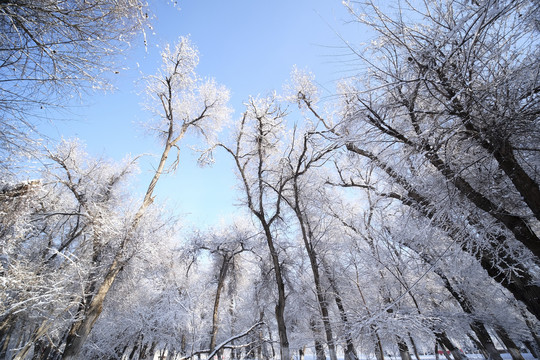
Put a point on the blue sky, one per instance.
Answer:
(250, 46)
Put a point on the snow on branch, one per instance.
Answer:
(241, 335)
(224, 343)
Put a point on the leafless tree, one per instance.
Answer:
(51, 51)
(257, 152)
(188, 104)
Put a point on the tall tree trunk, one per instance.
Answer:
(350, 351)
(526, 186)
(307, 236)
(478, 345)
(215, 313)
(151, 351)
(510, 345)
(80, 330)
(280, 306)
(448, 344)
(261, 352)
(486, 341)
(403, 349)
(267, 354)
(3, 350)
(378, 348)
(379, 351)
(42, 350)
(319, 347)
(136, 346)
(143, 351)
(478, 327)
(7, 327)
(183, 344)
(532, 349)
(36, 334)
(516, 224)
(319, 350)
(445, 351)
(415, 349)
(536, 339)
(131, 355)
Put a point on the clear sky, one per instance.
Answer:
(250, 46)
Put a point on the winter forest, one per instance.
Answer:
(398, 218)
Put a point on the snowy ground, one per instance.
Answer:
(309, 356)
(505, 356)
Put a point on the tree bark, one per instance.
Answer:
(466, 305)
(319, 351)
(36, 334)
(448, 344)
(257, 204)
(403, 349)
(485, 339)
(307, 236)
(5, 345)
(526, 186)
(533, 350)
(350, 351)
(215, 314)
(445, 351)
(80, 330)
(319, 347)
(280, 306)
(478, 345)
(143, 352)
(516, 224)
(510, 345)
(415, 349)
(378, 348)
(134, 350)
(7, 328)
(536, 339)
(379, 351)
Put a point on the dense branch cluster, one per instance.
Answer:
(53, 50)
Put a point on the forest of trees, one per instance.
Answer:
(398, 217)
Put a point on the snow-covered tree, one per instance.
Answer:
(53, 50)
(50, 240)
(427, 113)
(187, 104)
(258, 152)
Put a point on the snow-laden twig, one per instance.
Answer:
(241, 335)
(224, 343)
